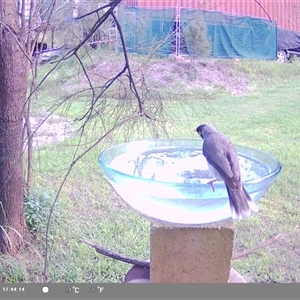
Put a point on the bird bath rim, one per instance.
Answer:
(237, 147)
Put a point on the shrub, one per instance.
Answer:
(37, 208)
(194, 32)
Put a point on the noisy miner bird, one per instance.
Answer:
(223, 161)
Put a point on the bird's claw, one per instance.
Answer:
(212, 184)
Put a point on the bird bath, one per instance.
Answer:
(192, 232)
(166, 179)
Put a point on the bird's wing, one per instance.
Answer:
(235, 181)
(225, 162)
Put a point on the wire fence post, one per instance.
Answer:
(177, 26)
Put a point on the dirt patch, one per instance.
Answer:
(50, 130)
(207, 75)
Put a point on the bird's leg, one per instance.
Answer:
(211, 182)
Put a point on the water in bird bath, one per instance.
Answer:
(178, 166)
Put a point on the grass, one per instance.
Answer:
(266, 118)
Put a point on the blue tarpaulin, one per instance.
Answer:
(236, 36)
(152, 31)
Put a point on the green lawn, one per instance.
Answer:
(267, 118)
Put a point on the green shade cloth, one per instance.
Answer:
(151, 31)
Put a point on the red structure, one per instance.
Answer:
(285, 12)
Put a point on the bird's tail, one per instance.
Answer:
(241, 204)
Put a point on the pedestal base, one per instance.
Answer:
(199, 254)
(142, 275)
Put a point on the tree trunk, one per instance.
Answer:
(14, 70)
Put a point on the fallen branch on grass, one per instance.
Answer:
(257, 247)
(146, 264)
(120, 257)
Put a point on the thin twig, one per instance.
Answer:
(116, 3)
(261, 245)
(16, 40)
(131, 81)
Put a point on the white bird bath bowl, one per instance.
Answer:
(166, 179)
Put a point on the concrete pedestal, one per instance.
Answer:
(191, 254)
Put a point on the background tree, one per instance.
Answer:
(14, 70)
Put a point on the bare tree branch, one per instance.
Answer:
(131, 81)
(96, 11)
(16, 39)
